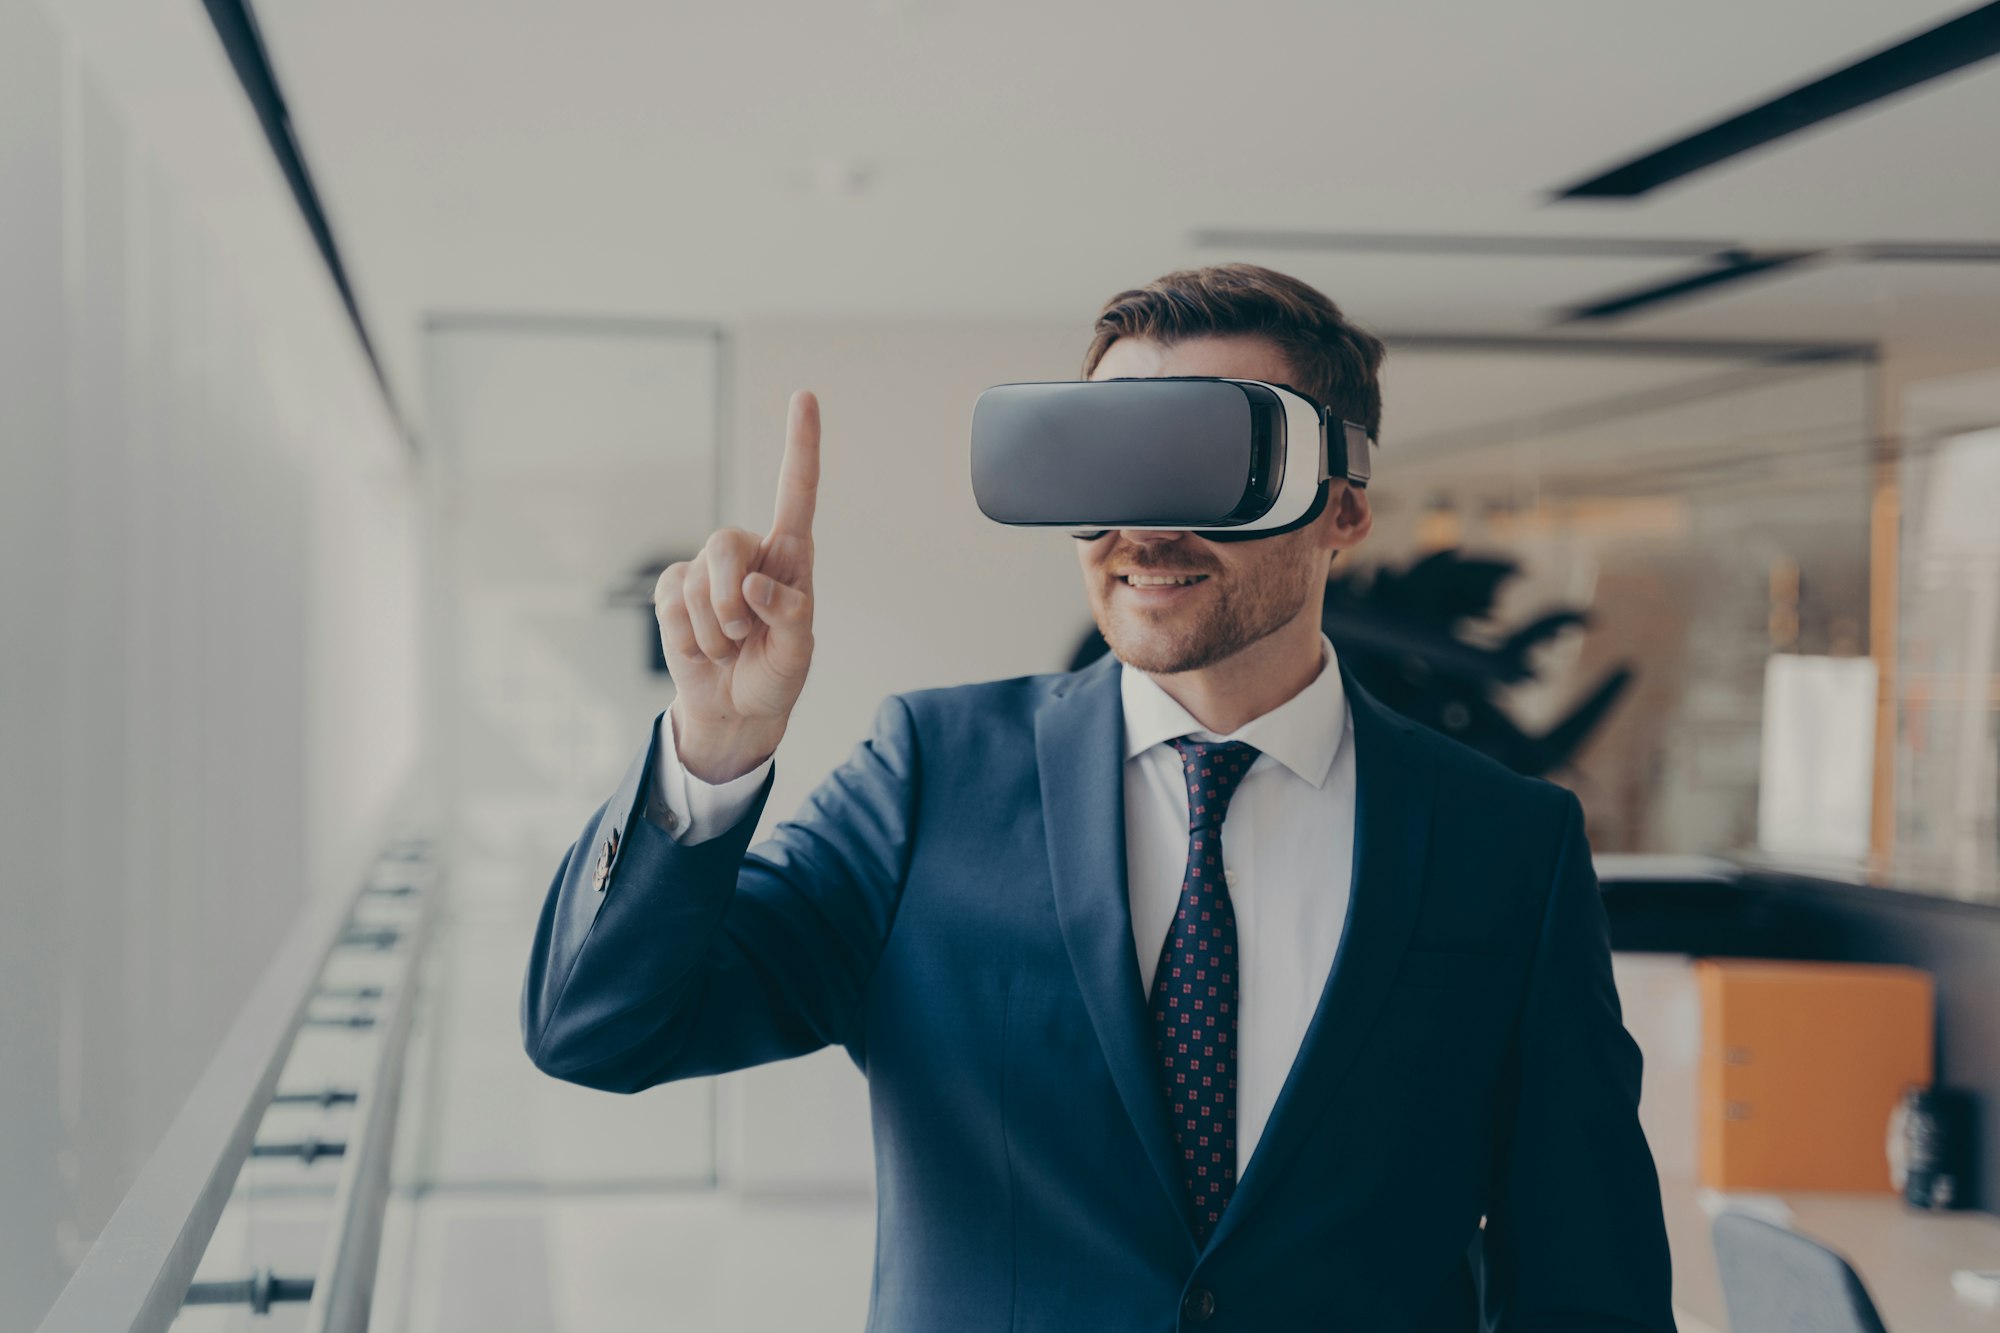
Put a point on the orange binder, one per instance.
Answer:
(1801, 1065)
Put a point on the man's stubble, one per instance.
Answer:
(1234, 619)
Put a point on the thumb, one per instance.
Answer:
(785, 609)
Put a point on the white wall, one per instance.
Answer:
(916, 587)
(207, 595)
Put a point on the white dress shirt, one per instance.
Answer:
(1287, 855)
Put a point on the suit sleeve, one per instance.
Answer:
(696, 959)
(1575, 1239)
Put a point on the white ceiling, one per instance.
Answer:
(1025, 160)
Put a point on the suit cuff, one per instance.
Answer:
(690, 809)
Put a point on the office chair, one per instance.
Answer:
(1777, 1281)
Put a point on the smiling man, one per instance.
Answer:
(1193, 989)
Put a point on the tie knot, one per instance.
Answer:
(1213, 771)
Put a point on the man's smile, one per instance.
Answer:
(1157, 590)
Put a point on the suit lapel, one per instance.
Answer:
(1080, 750)
(1395, 779)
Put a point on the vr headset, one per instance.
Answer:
(1225, 459)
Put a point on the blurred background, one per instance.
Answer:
(363, 363)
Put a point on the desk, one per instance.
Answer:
(1906, 1258)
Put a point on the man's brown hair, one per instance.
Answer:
(1333, 359)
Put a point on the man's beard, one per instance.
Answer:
(1224, 628)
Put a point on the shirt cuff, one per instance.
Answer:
(688, 808)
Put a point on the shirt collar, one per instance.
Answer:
(1303, 733)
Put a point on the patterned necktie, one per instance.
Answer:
(1194, 990)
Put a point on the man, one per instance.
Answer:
(1193, 988)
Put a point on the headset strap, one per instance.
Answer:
(1349, 451)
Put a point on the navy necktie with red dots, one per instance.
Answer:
(1194, 990)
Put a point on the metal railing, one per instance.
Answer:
(140, 1271)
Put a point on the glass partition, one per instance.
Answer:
(1948, 680)
(569, 462)
(1703, 510)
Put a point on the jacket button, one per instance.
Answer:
(1198, 1306)
(601, 873)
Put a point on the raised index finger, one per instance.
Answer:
(798, 475)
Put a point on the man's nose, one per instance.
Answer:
(1149, 536)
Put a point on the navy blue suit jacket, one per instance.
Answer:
(949, 906)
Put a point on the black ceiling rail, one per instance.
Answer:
(244, 44)
(1727, 268)
(1761, 351)
(1452, 243)
(1952, 45)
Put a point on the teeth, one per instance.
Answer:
(1158, 581)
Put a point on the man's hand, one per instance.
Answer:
(736, 621)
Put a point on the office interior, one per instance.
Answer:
(363, 365)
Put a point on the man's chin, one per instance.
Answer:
(1158, 651)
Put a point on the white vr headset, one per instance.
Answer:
(1226, 459)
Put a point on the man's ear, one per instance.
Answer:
(1348, 518)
